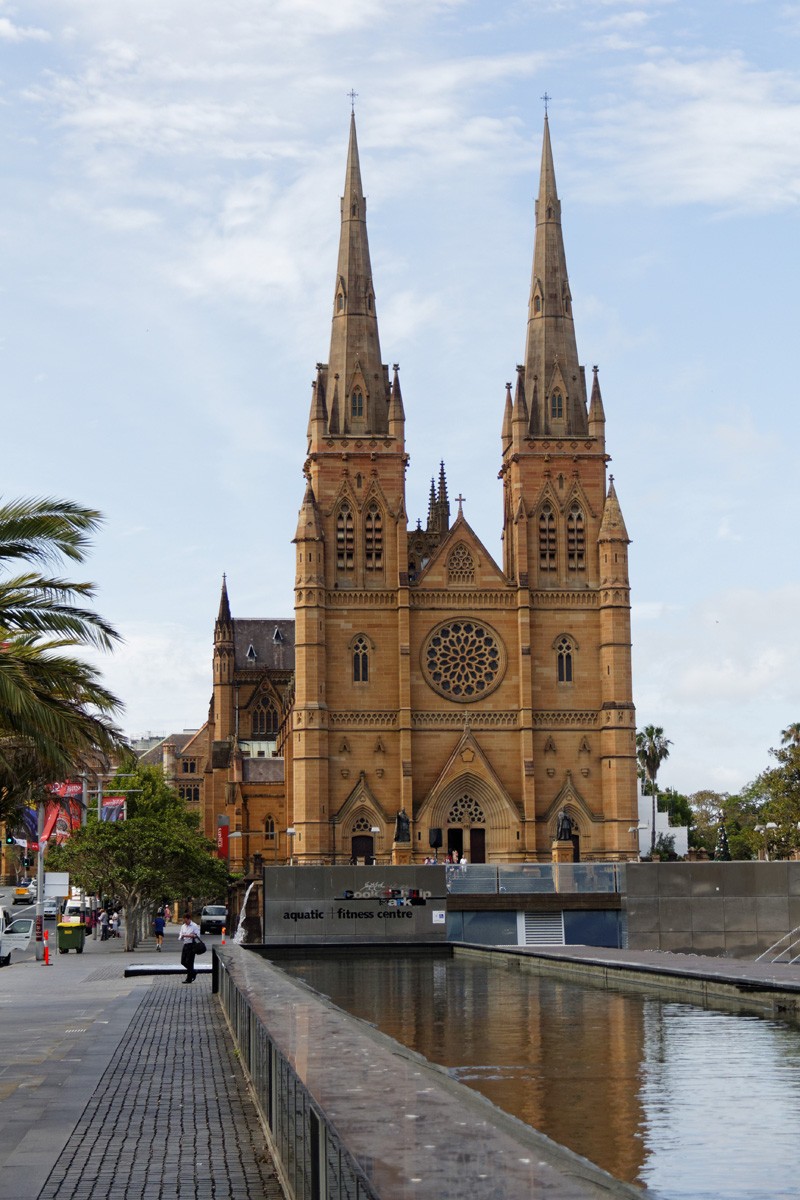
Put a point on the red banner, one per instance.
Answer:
(222, 841)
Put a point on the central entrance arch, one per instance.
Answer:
(466, 829)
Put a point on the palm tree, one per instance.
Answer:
(54, 711)
(651, 750)
(791, 735)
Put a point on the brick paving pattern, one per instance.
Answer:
(172, 1116)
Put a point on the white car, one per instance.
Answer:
(50, 911)
(16, 935)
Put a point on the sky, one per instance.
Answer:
(169, 218)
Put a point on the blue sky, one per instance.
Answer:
(168, 226)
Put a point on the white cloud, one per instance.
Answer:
(710, 130)
(9, 32)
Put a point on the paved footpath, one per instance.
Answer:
(122, 1089)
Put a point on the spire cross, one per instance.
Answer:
(352, 96)
(460, 500)
(546, 99)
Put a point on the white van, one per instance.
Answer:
(14, 935)
(72, 912)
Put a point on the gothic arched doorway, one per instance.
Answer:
(466, 829)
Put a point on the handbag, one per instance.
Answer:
(199, 946)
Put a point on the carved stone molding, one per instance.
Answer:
(467, 599)
(377, 599)
(455, 720)
(565, 718)
(584, 599)
(366, 720)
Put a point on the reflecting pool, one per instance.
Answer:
(688, 1101)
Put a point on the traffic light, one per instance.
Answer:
(10, 840)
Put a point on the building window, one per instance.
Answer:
(360, 660)
(265, 721)
(537, 304)
(189, 766)
(345, 540)
(576, 539)
(357, 403)
(460, 565)
(547, 539)
(564, 660)
(557, 405)
(190, 793)
(340, 302)
(373, 538)
(269, 829)
(466, 811)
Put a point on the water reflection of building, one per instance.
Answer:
(562, 1058)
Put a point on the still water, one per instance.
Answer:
(688, 1101)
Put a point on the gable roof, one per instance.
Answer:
(263, 643)
(462, 531)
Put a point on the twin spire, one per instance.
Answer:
(352, 391)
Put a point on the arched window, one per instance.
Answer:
(557, 405)
(547, 539)
(537, 304)
(576, 538)
(264, 723)
(269, 829)
(564, 651)
(460, 565)
(360, 660)
(373, 537)
(340, 303)
(357, 403)
(345, 542)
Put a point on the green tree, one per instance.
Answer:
(775, 796)
(791, 735)
(55, 714)
(652, 747)
(157, 851)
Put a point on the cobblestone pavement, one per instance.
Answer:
(113, 1087)
(172, 1116)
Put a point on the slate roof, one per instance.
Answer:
(154, 757)
(272, 642)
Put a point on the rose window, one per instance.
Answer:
(463, 660)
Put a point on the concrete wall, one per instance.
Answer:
(736, 909)
(354, 904)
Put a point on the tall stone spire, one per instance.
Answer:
(552, 370)
(354, 363)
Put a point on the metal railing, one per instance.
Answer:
(532, 878)
(792, 940)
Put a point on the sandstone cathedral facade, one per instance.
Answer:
(426, 693)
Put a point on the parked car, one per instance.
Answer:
(16, 935)
(213, 918)
(50, 911)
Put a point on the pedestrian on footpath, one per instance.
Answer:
(103, 924)
(189, 934)
(158, 930)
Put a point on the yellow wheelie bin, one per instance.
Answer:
(71, 937)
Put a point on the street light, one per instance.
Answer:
(764, 829)
(637, 829)
(290, 832)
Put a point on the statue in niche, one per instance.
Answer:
(402, 827)
(564, 827)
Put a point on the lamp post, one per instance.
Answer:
(637, 829)
(765, 830)
(290, 832)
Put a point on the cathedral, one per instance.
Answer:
(429, 698)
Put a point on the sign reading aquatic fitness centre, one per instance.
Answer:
(354, 904)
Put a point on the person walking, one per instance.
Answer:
(158, 930)
(103, 924)
(189, 934)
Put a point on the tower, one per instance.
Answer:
(351, 555)
(565, 548)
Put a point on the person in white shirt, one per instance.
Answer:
(189, 934)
